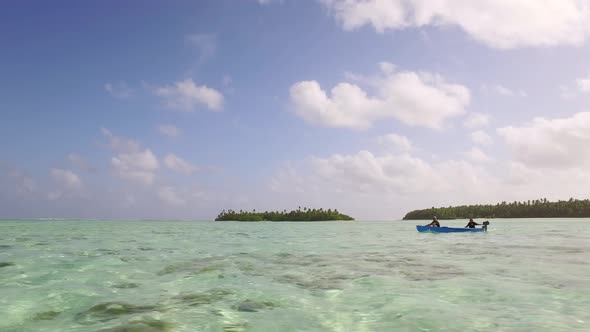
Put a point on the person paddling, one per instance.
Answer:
(434, 222)
(471, 224)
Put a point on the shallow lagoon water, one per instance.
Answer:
(523, 275)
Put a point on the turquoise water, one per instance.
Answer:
(523, 275)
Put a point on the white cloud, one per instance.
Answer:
(584, 84)
(398, 142)
(382, 186)
(478, 156)
(169, 130)
(119, 90)
(498, 24)
(481, 138)
(131, 161)
(386, 186)
(120, 144)
(566, 92)
(365, 172)
(551, 143)
(525, 182)
(504, 91)
(137, 166)
(66, 178)
(186, 96)
(387, 67)
(179, 165)
(169, 196)
(416, 99)
(205, 43)
(475, 120)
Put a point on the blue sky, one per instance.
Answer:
(177, 110)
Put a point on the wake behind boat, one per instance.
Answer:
(431, 229)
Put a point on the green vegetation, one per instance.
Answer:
(304, 214)
(541, 208)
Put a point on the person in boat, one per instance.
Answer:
(434, 223)
(471, 224)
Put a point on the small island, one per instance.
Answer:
(304, 214)
(540, 208)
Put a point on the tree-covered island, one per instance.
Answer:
(540, 208)
(304, 214)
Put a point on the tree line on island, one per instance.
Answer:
(300, 214)
(540, 208)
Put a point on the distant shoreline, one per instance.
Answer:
(286, 221)
(278, 221)
(540, 208)
(299, 215)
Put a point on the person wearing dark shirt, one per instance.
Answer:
(471, 224)
(434, 222)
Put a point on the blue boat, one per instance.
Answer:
(429, 229)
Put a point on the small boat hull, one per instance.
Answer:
(429, 229)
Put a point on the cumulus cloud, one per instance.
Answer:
(566, 93)
(365, 172)
(169, 196)
(179, 165)
(416, 99)
(398, 173)
(554, 183)
(397, 142)
(119, 90)
(387, 67)
(481, 138)
(138, 166)
(387, 185)
(66, 178)
(120, 144)
(550, 143)
(584, 84)
(169, 130)
(475, 120)
(477, 155)
(498, 24)
(504, 91)
(132, 162)
(186, 96)
(370, 185)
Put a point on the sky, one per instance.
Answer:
(180, 109)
